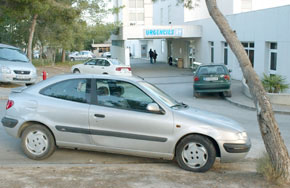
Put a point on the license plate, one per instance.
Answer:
(211, 78)
(21, 77)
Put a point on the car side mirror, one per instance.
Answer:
(230, 70)
(153, 107)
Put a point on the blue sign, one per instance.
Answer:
(163, 32)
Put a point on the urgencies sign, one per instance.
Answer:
(163, 32)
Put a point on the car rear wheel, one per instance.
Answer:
(37, 142)
(72, 59)
(196, 94)
(195, 153)
(76, 71)
(227, 93)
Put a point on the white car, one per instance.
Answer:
(82, 55)
(102, 66)
(107, 54)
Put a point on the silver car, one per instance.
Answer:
(124, 115)
(15, 66)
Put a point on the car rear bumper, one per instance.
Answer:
(212, 87)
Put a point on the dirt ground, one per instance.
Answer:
(145, 175)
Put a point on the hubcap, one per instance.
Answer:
(194, 155)
(36, 142)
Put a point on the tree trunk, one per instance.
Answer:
(31, 34)
(268, 126)
(63, 55)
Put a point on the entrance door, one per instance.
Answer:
(144, 50)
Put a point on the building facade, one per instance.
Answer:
(263, 27)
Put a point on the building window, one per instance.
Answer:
(136, 4)
(211, 52)
(161, 16)
(250, 50)
(273, 56)
(225, 53)
(169, 14)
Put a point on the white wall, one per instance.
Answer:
(260, 27)
(175, 16)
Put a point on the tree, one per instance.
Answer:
(272, 138)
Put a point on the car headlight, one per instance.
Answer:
(5, 70)
(242, 136)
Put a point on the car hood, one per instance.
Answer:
(17, 65)
(196, 117)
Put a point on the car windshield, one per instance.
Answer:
(169, 101)
(207, 70)
(12, 55)
(115, 62)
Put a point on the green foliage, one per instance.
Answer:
(274, 83)
(60, 23)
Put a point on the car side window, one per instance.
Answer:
(99, 62)
(77, 90)
(91, 62)
(106, 63)
(120, 94)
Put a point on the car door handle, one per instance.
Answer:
(99, 115)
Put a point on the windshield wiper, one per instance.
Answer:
(4, 58)
(179, 105)
(17, 60)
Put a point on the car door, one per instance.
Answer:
(106, 67)
(65, 105)
(119, 119)
(89, 66)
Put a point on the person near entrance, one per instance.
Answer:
(151, 54)
(154, 56)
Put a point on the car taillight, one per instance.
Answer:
(196, 78)
(120, 68)
(227, 77)
(9, 104)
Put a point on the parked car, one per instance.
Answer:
(212, 78)
(82, 55)
(124, 115)
(107, 55)
(36, 54)
(102, 66)
(15, 66)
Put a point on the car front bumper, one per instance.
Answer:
(18, 78)
(234, 151)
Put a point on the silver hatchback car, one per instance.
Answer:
(124, 115)
(15, 66)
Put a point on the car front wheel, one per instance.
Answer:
(195, 153)
(37, 142)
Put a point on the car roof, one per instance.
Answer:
(8, 46)
(62, 77)
(206, 65)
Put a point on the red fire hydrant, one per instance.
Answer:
(44, 75)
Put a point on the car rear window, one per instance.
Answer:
(206, 70)
(115, 62)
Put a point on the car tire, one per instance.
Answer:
(72, 59)
(76, 71)
(196, 94)
(227, 93)
(195, 153)
(37, 142)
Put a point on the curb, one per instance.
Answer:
(254, 108)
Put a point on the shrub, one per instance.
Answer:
(274, 83)
(265, 168)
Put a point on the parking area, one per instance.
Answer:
(94, 169)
